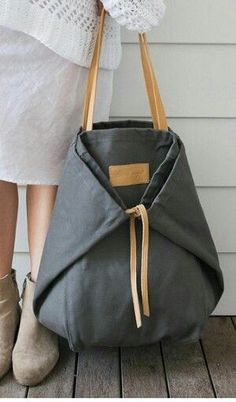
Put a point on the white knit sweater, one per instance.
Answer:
(69, 26)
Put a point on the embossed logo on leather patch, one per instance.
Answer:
(127, 175)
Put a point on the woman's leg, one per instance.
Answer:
(40, 201)
(8, 218)
(36, 350)
(9, 297)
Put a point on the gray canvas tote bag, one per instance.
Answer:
(129, 259)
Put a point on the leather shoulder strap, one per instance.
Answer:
(155, 102)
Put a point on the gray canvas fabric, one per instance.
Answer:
(83, 291)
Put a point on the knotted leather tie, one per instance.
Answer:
(137, 212)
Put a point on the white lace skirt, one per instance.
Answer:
(41, 102)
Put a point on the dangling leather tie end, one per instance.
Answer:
(136, 212)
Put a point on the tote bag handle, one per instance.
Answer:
(155, 102)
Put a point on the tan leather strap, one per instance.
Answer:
(155, 102)
(90, 93)
(154, 97)
(136, 212)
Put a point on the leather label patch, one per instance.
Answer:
(127, 175)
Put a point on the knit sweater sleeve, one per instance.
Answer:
(138, 15)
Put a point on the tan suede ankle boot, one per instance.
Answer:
(36, 350)
(9, 319)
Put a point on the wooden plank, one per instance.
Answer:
(219, 344)
(60, 382)
(98, 373)
(143, 373)
(191, 21)
(10, 389)
(186, 371)
(192, 80)
(234, 321)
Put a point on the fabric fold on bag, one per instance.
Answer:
(177, 214)
(76, 234)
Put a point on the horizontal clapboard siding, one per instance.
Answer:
(195, 81)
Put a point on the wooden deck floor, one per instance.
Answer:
(204, 369)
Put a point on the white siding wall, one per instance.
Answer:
(194, 54)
